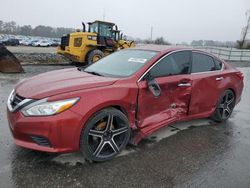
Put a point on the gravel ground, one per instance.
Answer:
(30, 49)
(37, 55)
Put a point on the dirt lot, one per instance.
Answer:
(197, 153)
(30, 49)
(37, 55)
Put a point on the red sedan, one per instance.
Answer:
(122, 98)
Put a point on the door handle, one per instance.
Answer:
(184, 84)
(219, 78)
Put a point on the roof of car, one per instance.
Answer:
(159, 48)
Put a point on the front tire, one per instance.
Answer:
(225, 106)
(105, 135)
(94, 55)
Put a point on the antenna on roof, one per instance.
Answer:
(104, 14)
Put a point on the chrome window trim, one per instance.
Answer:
(205, 72)
(152, 66)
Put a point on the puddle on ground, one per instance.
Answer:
(73, 159)
(174, 128)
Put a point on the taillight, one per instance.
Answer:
(240, 75)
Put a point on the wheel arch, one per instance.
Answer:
(102, 107)
(122, 109)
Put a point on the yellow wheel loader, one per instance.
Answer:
(101, 39)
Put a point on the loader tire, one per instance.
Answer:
(94, 55)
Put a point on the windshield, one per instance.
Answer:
(94, 28)
(121, 64)
(105, 30)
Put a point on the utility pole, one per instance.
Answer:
(151, 34)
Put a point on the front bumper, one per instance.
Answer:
(58, 133)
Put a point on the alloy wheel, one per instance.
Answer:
(226, 105)
(107, 136)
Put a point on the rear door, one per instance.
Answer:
(172, 75)
(208, 83)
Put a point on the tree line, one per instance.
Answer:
(27, 30)
(213, 43)
(158, 40)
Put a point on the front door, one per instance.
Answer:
(172, 73)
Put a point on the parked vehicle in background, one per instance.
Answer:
(29, 40)
(2, 41)
(25, 42)
(124, 96)
(42, 43)
(55, 43)
(11, 42)
(33, 42)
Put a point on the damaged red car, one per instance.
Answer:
(122, 98)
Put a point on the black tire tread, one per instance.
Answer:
(88, 125)
(92, 53)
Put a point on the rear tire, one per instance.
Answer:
(224, 106)
(94, 55)
(105, 135)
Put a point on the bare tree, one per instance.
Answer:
(1, 25)
(41, 30)
(245, 30)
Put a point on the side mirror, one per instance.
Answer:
(154, 87)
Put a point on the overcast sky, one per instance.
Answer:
(175, 20)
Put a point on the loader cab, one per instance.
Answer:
(116, 35)
(106, 35)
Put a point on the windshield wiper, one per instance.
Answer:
(82, 68)
(93, 72)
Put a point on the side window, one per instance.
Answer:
(94, 28)
(218, 64)
(202, 63)
(176, 63)
(105, 30)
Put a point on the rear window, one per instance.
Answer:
(202, 63)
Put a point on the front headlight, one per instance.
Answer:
(49, 108)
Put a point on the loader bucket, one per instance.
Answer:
(8, 62)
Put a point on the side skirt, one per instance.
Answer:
(139, 134)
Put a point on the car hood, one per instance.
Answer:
(60, 81)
